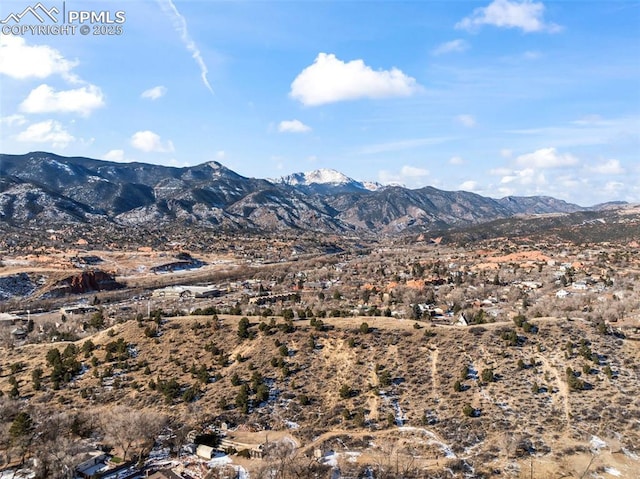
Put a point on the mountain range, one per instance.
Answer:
(42, 188)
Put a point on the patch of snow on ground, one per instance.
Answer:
(352, 456)
(219, 460)
(241, 472)
(446, 449)
(95, 469)
(330, 459)
(292, 425)
(62, 166)
(159, 454)
(613, 471)
(21, 474)
(130, 471)
(597, 443)
(400, 417)
(630, 455)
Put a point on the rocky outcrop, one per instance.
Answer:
(85, 282)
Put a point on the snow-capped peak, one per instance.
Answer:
(372, 185)
(326, 177)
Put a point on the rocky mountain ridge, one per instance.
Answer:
(42, 188)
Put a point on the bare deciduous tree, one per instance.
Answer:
(281, 461)
(130, 429)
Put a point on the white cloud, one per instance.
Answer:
(469, 185)
(466, 120)
(21, 61)
(114, 155)
(531, 55)
(501, 171)
(49, 131)
(546, 158)
(525, 177)
(330, 80)
(613, 188)
(154, 93)
(456, 160)
(149, 141)
(45, 99)
(592, 119)
(454, 46)
(411, 176)
(413, 172)
(13, 120)
(399, 145)
(590, 130)
(180, 24)
(569, 182)
(526, 15)
(220, 155)
(506, 153)
(609, 167)
(293, 126)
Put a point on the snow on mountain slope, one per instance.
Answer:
(327, 177)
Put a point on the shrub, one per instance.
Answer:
(345, 391)
(191, 394)
(487, 376)
(391, 419)
(511, 337)
(574, 383)
(262, 393)
(428, 333)
(519, 320)
(243, 328)
(17, 367)
(468, 410)
(384, 379)
(170, 389)
(151, 332)
(242, 399)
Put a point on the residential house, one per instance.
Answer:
(164, 474)
(92, 462)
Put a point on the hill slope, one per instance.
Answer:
(392, 382)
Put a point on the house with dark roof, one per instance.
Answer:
(165, 474)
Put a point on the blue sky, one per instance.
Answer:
(502, 97)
